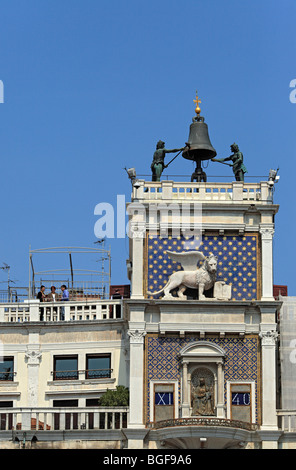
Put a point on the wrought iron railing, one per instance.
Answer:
(88, 374)
(65, 374)
(7, 376)
(98, 373)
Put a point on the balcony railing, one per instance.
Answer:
(61, 419)
(88, 374)
(61, 311)
(7, 376)
(65, 374)
(98, 373)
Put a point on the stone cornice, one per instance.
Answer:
(213, 205)
(41, 326)
(233, 304)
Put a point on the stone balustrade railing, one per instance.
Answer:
(287, 420)
(233, 192)
(33, 310)
(60, 419)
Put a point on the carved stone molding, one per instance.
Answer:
(136, 336)
(266, 232)
(137, 234)
(33, 357)
(268, 338)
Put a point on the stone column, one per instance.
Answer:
(137, 264)
(268, 350)
(220, 392)
(267, 232)
(136, 412)
(185, 388)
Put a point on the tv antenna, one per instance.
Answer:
(6, 267)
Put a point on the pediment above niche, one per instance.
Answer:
(202, 350)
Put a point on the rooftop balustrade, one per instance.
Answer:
(33, 310)
(230, 192)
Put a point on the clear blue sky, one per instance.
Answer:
(90, 86)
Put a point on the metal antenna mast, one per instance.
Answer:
(7, 268)
(105, 256)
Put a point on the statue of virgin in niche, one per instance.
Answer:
(202, 393)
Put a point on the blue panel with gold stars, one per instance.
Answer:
(238, 261)
(241, 362)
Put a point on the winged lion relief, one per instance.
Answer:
(202, 278)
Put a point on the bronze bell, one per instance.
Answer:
(200, 147)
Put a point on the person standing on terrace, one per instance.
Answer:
(65, 297)
(65, 293)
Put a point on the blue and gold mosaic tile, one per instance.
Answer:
(241, 361)
(238, 261)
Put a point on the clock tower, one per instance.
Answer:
(202, 316)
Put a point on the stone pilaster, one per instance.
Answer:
(220, 397)
(137, 263)
(136, 378)
(267, 232)
(33, 358)
(185, 389)
(268, 350)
